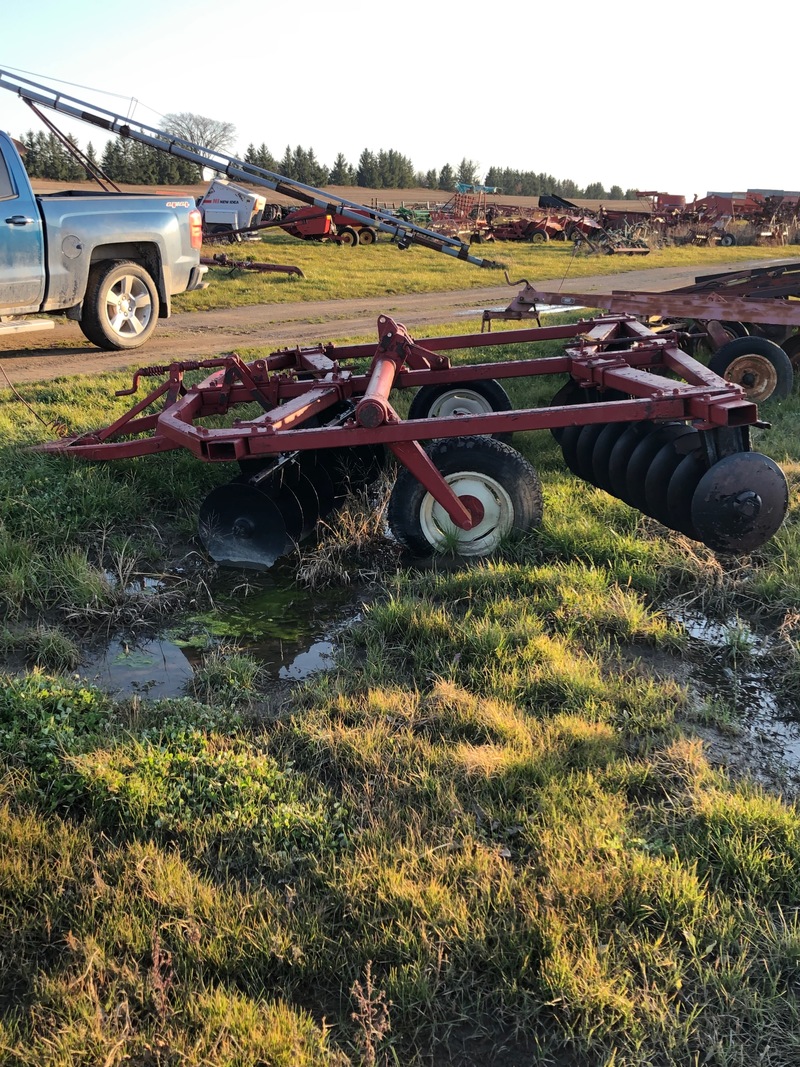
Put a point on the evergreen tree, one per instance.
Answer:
(595, 191)
(616, 193)
(447, 178)
(367, 171)
(342, 173)
(468, 172)
(431, 179)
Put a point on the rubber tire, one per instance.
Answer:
(728, 240)
(726, 356)
(539, 237)
(348, 236)
(490, 391)
(494, 460)
(367, 236)
(791, 346)
(95, 324)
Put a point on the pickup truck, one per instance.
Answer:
(110, 261)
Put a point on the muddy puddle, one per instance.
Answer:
(291, 631)
(745, 722)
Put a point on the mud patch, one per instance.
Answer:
(747, 725)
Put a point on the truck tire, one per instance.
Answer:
(120, 309)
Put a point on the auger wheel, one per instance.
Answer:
(498, 486)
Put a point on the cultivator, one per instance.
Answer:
(633, 414)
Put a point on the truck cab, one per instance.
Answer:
(110, 261)
(22, 259)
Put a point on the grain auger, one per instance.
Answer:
(633, 414)
(403, 231)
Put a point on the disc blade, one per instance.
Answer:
(641, 458)
(656, 483)
(680, 491)
(584, 451)
(569, 446)
(242, 527)
(740, 502)
(602, 452)
(621, 454)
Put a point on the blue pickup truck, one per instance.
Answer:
(111, 261)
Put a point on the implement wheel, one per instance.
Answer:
(475, 398)
(760, 366)
(348, 236)
(500, 488)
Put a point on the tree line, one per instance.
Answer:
(137, 164)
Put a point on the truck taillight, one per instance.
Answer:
(196, 227)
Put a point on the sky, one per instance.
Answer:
(683, 97)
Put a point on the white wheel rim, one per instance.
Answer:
(128, 306)
(439, 530)
(459, 402)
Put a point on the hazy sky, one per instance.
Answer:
(680, 97)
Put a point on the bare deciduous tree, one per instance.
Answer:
(199, 129)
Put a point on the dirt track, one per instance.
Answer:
(201, 334)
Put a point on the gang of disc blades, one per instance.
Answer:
(740, 502)
(243, 527)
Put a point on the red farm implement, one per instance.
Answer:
(744, 320)
(633, 414)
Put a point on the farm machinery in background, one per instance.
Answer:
(470, 217)
(233, 213)
(632, 412)
(726, 219)
(746, 321)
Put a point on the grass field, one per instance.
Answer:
(339, 272)
(491, 835)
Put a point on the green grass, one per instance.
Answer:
(489, 833)
(337, 272)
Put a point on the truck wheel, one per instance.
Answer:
(120, 309)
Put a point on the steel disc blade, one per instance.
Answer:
(320, 491)
(307, 494)
(584, 452)
(352, 469)
(656, 483)
(242, 527)
(569, 446)
(569, 393)
(680, 491)
(602, 452)
(621, 454)
(740, 502)
(641, 458)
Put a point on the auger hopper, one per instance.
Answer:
(633, 415)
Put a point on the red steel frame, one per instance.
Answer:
(294, 385)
